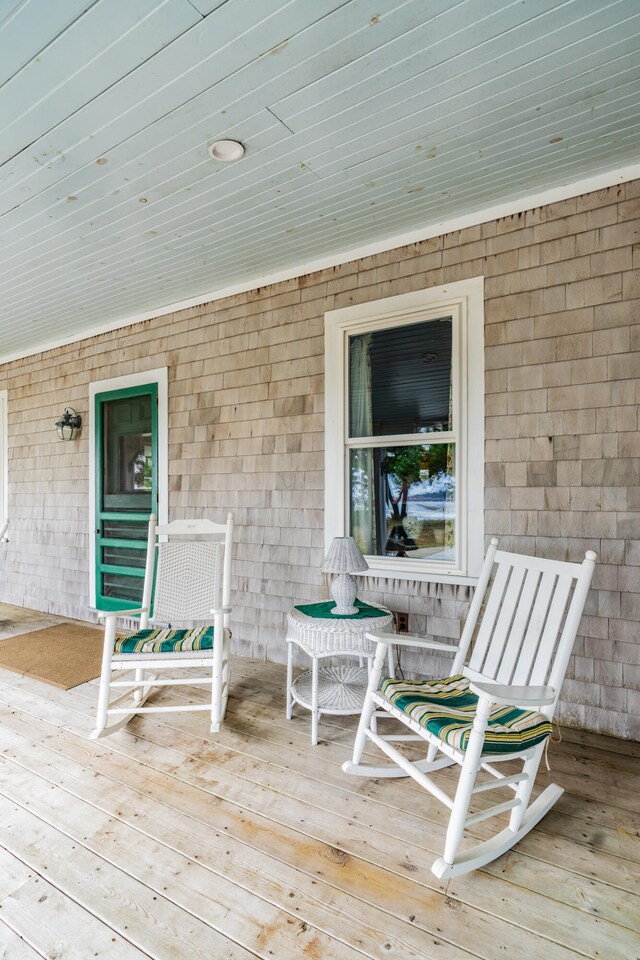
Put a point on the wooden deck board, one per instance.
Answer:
(15, 947)
(43, 915)
(587, 814)
(262, 842)
(591, 830)
(296, 838)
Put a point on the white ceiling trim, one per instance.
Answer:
(577, 188)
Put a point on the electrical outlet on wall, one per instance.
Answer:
(401, 622)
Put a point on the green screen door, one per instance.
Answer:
(126, 491)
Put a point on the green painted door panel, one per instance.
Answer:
(126, 491)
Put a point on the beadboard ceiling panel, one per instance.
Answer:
(361, 119)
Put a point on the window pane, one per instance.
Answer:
(122, 587)
(403, 501)
(400, 380)
(127, 461)
(125, 530)
(123, 557)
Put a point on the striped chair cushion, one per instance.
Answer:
(447, 707)
(165, 641)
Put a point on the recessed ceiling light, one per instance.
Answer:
(226, 150)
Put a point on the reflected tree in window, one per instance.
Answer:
(426, 468)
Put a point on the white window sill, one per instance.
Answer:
(422, 576)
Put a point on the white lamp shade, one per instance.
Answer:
(344, 556)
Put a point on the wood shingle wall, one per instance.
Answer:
(562, 318)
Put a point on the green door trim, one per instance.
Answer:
(133, 516)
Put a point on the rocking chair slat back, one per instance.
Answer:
(570, 628)
(503, 637)
(539, 609)
(542, 662)
(492, 611)
(520, 632)
(523, 617)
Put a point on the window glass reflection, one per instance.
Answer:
(127, 461)
(403, 500)
(400, 380)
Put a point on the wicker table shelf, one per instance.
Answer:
(333, 689)
(341, 689)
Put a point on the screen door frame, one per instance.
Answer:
(159, 378)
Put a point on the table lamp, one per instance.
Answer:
(344, 558)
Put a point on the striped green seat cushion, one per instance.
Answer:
(157, 640)
(447, 708)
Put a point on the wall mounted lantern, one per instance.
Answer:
(69, 424)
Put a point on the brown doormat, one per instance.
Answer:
(64, 656)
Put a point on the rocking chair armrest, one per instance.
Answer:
(215, 610)
(514, 696)
(105, 614)
(406, 640)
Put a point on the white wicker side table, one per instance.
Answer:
(334, 689)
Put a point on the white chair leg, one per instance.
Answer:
(367, 709)
(432, 752)
(314, 701)
(466, 782)
(219, 640)
(481, 853)
(289, 680)
(105, 677)
(390, 673)
(523, 792)
(226, 675)
(374, 723)
(138, 692)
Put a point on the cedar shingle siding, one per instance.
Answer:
(246, 433)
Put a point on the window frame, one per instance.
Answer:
(464, 301)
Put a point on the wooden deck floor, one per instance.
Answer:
(166, 842)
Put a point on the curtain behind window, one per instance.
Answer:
(360, 425)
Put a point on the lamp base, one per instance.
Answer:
(343, 591)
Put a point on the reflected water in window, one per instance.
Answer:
(403, 501)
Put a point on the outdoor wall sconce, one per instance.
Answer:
(69, 424)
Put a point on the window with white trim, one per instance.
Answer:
(404, 431)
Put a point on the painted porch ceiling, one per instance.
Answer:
(362, 119)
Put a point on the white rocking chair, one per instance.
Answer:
(192, 586)
(497, 708)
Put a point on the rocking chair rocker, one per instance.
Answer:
(498, 708)
(192, 586)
